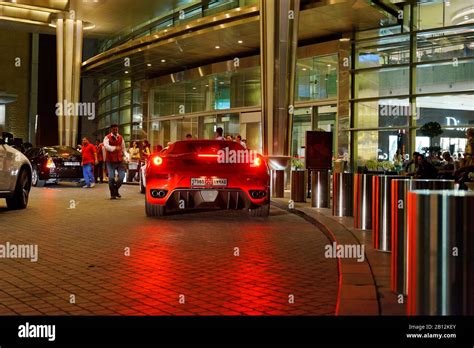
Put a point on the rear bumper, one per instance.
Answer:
(189, 199)
(63, 173)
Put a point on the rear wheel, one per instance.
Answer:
(35, 180)
(19, 200)
(154, 210)
(261, 211)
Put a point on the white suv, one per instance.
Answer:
(15, 174)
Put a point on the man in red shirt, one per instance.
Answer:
(89, 158)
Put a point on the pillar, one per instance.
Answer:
(278, 45)
(69, 60)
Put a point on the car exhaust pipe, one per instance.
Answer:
(257, 194)
(158, 193)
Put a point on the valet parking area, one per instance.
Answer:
(415, 234)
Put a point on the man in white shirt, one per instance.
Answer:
(114, 149)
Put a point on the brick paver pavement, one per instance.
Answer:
(212, 263)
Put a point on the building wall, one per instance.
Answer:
(16, 79)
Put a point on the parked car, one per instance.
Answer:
(195, 174)
(52, 164)
(15, 174)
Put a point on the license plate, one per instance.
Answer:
(72, 164)
(208, 182)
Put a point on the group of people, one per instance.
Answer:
(110, 155)
(238, 138)
(444, 165)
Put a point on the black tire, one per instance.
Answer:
(19, 200)
(35, 180)
(154, 210)
(261, 211)
(142, 187)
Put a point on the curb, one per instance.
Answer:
(357, 294)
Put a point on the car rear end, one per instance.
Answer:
(199, 175)
(61, 163)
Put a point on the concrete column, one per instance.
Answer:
(279, 42)
(69, 58)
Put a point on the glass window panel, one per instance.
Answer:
(316, 78)
(379, 146)
(115, 86)
(115, 102)
(382, 83)
(107, 105)
(445, 77)
(439, 13)
(126, 84)
(125, 116)
(382, 113)
(137, 96)
(222, 92)
(445, 44)
(126, 98)
(114, 118)
(137, 114)
(451, 111)
(383, 51)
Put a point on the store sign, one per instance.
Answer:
(452, 121)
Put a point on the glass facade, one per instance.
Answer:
(121, 104)
(183, 12)
(407, 76)
(232, 100)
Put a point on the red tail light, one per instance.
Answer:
(257, 162)
(157, 161)
(208, 156)
(50, 163)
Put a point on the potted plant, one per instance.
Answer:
(431, 130)
(298, 182)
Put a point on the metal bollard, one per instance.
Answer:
(342, 199)
(440, 253)
(381, 212)
(363, 201)
(399, 230)
(320, 188)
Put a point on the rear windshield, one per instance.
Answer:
(61, 151)
(192, 146)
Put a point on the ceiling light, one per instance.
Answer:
(148, 64)
(126, 71)
(448, 3)
(329, 65)
(163, 60)
(240, 41)
(466, 17)
(304, 69)
(217, 47)
(344, 39)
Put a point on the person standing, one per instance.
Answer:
(238, 139)
(99, 168)
(146, 152)
(134, 160)
(219, 132)
(89, 159)
(114, 148)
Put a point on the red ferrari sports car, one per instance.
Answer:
(206, 174)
